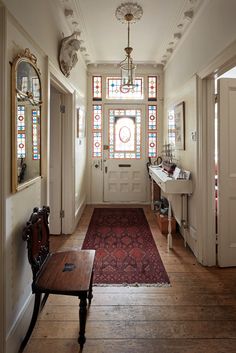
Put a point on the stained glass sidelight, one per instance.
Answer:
(21, 131)
(97, 130)
(152, 88)
(114, 91)
(152, 117)
(125, 133)
(171, 127)
(97, 117)
(35, 134)
(97, 87)
(152, 144)
(152, 131)
(97, 144)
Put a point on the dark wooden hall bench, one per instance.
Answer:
(66, 272)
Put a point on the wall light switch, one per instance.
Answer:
(194, 135)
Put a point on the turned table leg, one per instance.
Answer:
(82, 319)
(90, 293)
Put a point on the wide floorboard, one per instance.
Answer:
(196, 314)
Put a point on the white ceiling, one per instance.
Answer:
(153, 38)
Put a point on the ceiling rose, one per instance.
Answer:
(129, 8)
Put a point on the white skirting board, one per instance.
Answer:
(20, 326)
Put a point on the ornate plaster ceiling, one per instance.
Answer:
(154, 38)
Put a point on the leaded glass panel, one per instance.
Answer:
(97, 144)
(152, 144)
(152, 88)
(125, 134)
(114, 91)
(97, 87)
(152, 117)
(97, 117)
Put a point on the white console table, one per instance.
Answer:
(169, 186)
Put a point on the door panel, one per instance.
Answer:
(55, 193)
(227, 173)
(125, 175)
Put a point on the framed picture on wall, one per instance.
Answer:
(179, 113)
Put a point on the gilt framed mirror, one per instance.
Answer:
(26, 120)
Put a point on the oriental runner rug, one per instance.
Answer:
(126, 253)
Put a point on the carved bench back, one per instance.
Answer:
(36, 233)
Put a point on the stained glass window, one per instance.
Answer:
(114, 91)
(35, 134)
(152, 144)
(125, 134)
(152, 117)
(97, 130)
(171, 127)
(152, 133)
(97, 88)
(21, 131)
(152, 88)
(97, 117)
(97, 144)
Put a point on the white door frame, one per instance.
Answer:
(206, 173)
(68, 146)
(55, 157)
(205, 153)
(3, 71)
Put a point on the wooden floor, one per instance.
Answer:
(197, 314)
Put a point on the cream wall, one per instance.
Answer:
(25, 30)
(186, 158)
(212, 31)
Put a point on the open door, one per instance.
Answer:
(227, 173)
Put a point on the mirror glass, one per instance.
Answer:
(26, 112)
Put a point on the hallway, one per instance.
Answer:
(197, 314)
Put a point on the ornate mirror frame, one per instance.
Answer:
(26, 120)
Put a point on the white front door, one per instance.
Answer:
(227, 172)
(124, 155)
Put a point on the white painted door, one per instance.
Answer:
(227, 173)
(124, 155)
(55, 160)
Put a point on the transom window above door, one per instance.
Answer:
(114, 90)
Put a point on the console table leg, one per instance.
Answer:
(169, 236)
(152, 195)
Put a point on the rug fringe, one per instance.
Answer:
(132, 285)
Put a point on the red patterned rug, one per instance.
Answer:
(125, 249)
